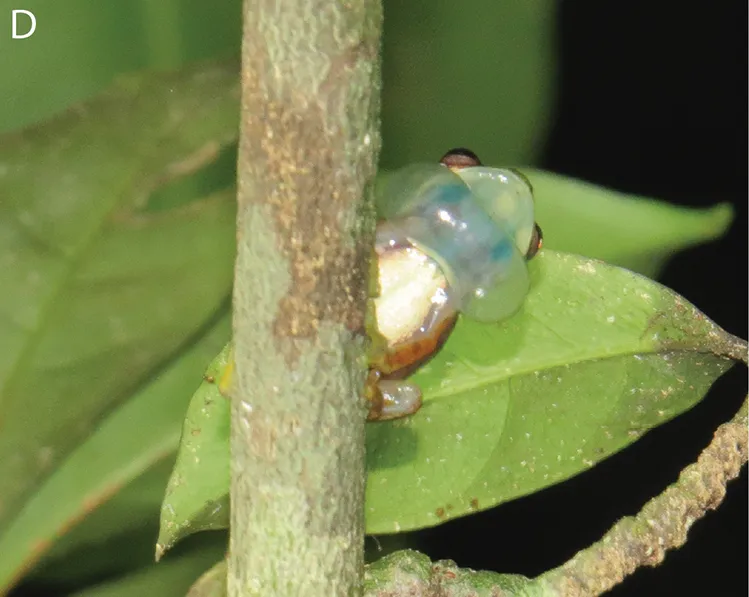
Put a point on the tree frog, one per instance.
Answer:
(453, 237)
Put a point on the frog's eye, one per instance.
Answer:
(537, 242)
(460, 157)
(507, 197)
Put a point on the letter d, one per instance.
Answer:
(29, 14)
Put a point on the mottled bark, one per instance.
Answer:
(307, 158)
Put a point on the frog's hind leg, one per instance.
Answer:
(391, 398)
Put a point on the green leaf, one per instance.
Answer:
(190, 505)
(626, 230)
(99, 286)
(125, 524)
(134, 438)
(480, 77)
(171, 578)
(212, 583)
(596, 357)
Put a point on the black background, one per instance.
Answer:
(652, 101)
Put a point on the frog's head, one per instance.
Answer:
(507, 194)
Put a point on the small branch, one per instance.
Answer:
(307, 156)
(411, 574)
(663, 523)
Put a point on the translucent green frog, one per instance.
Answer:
(454, 237)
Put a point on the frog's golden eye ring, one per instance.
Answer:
(537, 242)
(460, 157)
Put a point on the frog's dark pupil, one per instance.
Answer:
(460, 157)
(537, 241)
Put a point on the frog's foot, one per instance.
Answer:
(390, 398)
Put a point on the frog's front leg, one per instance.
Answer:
(390, 398)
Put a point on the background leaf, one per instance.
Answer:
(124, 523)
(478, 76)
(129, 444)
(171, 578)
(96, 281)
(633, 232)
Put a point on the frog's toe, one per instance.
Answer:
(399, 399)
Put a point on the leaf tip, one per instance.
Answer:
(160, 550)
(721, 217)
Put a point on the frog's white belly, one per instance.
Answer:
(414, 295)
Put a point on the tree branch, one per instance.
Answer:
(307, 155)
(662, 524)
